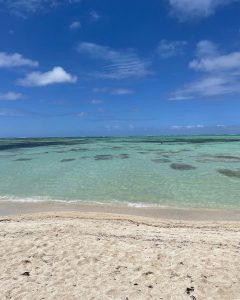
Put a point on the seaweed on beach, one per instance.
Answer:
(230, 173)
(67, 160)
(182, 167)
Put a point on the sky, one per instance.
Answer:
(129, 67)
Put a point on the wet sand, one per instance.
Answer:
(13, 208)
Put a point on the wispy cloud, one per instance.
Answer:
(56, 75)
(94, 15)
(121, 91)
(218, 63)
(220, 73)
(112, 127)
(8, 60)
(117, 64)
(198, 126)
(168, 49)
(101, 110)
(101, 90)
(10, 96)
(7, 112)
(24, 7)
(81, 114)
(189, 9)
(96, 101)
(114, 91)
(75, 25)
(207, 86)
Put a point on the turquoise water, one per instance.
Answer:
(166, 171)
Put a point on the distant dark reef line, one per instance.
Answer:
(7, 144)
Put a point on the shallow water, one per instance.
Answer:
(202, 171)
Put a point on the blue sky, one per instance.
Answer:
(138, 67)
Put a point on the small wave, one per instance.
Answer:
(144, 205)
(25, 199)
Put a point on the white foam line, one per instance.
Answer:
(42, 199)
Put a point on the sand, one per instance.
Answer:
(80, 255)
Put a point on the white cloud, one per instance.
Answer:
(10, 96)
(117, 64)
(121, 91)
(168, 49)
(81, 114)
(56, 75)
(189, 9)
(114, 91)
(219, 63)
(95, 16)
(221, 73)
(206, 48)
(207, 86)
(96, 101)
(15, 60)
(75, 25)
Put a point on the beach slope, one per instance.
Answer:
(75, 255)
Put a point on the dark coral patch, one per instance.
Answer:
(22, 159)
(78, 149)
(230, 157)
(103, 157)
(161, 160)
(230, 173)
(218, 158)
(124, 156)
(182, 167)
(67, 160)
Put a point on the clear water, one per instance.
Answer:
(166, 171)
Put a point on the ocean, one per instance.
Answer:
(179, 171)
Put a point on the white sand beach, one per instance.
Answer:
(80, 255)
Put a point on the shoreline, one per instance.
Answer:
(8, 208)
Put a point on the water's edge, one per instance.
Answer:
(181, 214)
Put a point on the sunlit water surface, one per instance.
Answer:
(202, 171)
